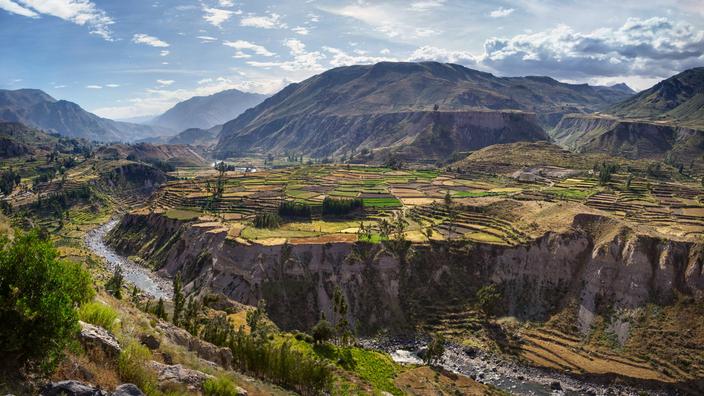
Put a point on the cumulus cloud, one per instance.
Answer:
(429, 53)
(271, 21)
(302, 59)
(165, 82)
(112, 85)
(655, 47)
(241, 46)
(501, 12)
(216, 16)
(146, 39)
(80, 12)
(303, 31)
(339, 57)
(206, 39)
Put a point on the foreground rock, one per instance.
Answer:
(204, 350)
(71, 388)
(128, 390)
(178, 375)
(97, 338)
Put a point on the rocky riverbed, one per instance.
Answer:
(513, 377)
(145, 280)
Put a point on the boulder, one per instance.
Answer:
(149, 341)
(555, 385)
(127, 390)
(204, 349)
(240, 392)
(177, 374)
(97, 338)
(70, 388)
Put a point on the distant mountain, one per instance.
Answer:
(17, 140)
(176, 155)
(35, 108)
(206, 111)
(678, 99)
(392, 105)
(197, 137)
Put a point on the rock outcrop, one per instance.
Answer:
(176, 374)
(97, 338)
(600, 265)
(71, 388)
(203, 349)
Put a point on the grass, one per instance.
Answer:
(569, 193)
(98, 314)
(219, 386)
(381, 202)
(131, 365)
(182, 214)
(475, 194)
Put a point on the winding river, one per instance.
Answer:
(512, 377)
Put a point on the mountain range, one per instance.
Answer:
(429, 109)
(204, 112)
(35, 108)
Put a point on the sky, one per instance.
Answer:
(131, 58)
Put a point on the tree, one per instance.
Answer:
(39, 294)
(340, 321)
(488, 297)
(179, 299)
(114, 284)
(160, 311)
(255, 318)
(323, 331)
(436, 348)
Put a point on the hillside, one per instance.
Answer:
(678, 99)
(197, 137)
(360, 106)
(176, 155)
(35, 108)
(17, 139)
(206, 111)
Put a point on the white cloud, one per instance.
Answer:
(216, 16)
(165, 82)
(146, 39)
(341, 58)
(271, 21)
(226, 3)
(429, 53)
(302, 61)
(80, 12)
(424, 5)
(501, 12)
(655, 47)
(242, 45)
(112, 85)
(303, 31)
(15, 8)
(397, 23)
(94, 86)
(206, 39)
(164, 52)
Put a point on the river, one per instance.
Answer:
(146, 280)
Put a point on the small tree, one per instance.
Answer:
(323, 331)
(114, 284)
(487, 298)
(160, 311)
(256, 317)
(179, 299)
(436, 348)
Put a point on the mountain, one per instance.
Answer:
(17, 140)
(665, 122)
(158, 154)
(678, 99)
(392, 105)
(35, 108)
(206, 111)
(197, 137)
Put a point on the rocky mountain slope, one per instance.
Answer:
(197, 137)
(678, 99)
(205, 112)
(35, 108)
(176, 155)
(362, 106)
(17, 139)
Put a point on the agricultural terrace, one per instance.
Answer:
(433, 205)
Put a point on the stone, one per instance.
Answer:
(204, 350)
(177, 374)
(71, 388)
(149, 341)
(127, 390)
(555, 385)
(97, 338)
(240, 392)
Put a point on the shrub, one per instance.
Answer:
(98, 314)
(341, 206)
(114, 284)
(323, 331)
(132, 367)
(267, 220)
(39, 294)
(219, 386)
(294, 210)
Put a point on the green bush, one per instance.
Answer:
(39, 294)
(267, 220)
(219, 386)
(98, 314)
(132, 367)
(341, 206)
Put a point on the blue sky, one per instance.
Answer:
(131, 58)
